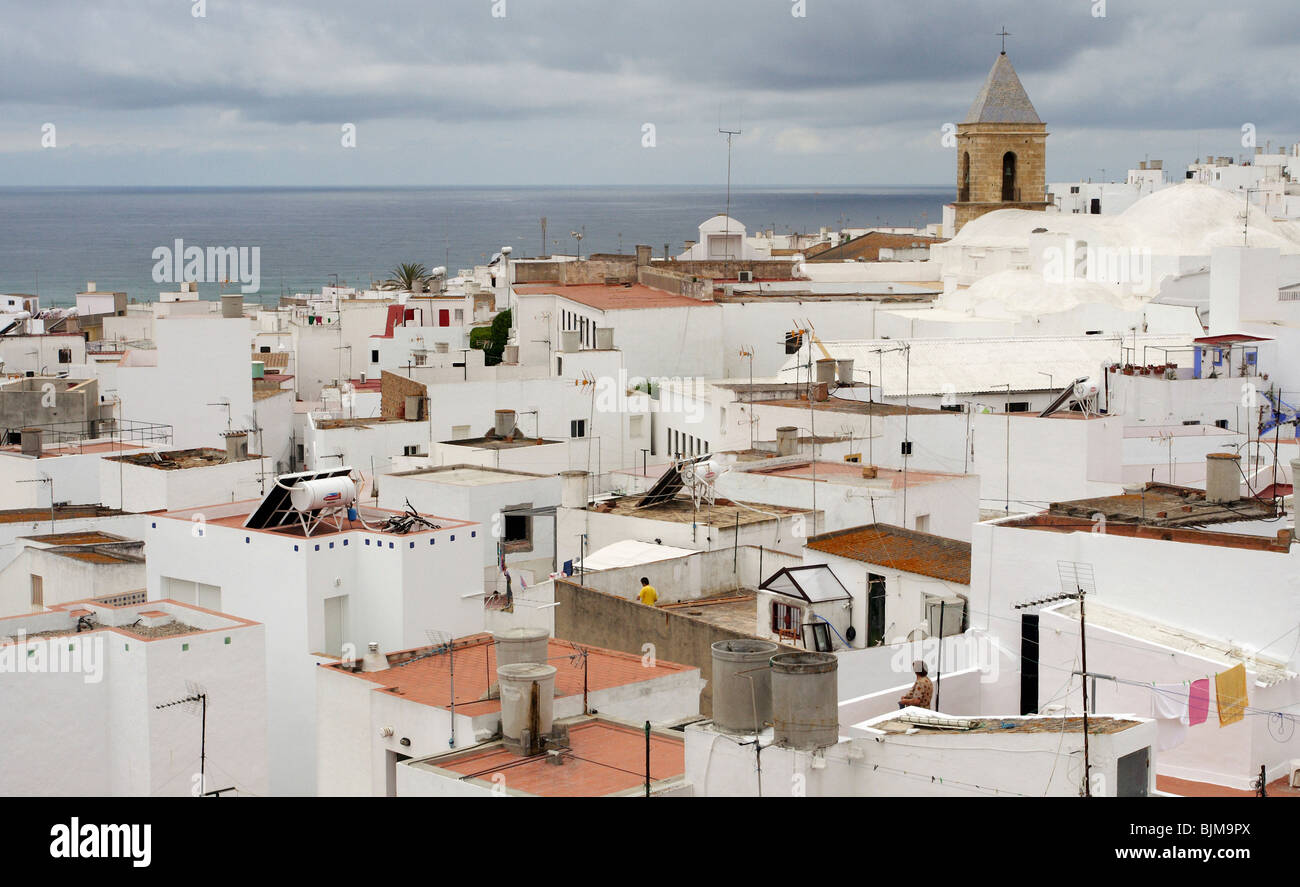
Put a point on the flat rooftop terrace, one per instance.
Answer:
(1165, 505)
(467, 475)
(682, 510)
(233, 515)
(424, 676)
(600, 758)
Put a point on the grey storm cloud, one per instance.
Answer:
(848, 76)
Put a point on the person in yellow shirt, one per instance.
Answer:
(647, 595)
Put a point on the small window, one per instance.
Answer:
(578, 428)
(907, 448)
(265, 349)
(460, 315)
(1018, 406)
(411, 450)
(65, 355)
(634, 426)
(953, 407)
(38, 591)
(374, 355)
(786, 620)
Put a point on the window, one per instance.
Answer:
(953, 407)
(875, 610)
(439, 347)
(38, 591)
(517, 531)
(1009, 177)
(1018, 406)
(65, 355)
(923, 523)
(460, 315)
(578, 428)
(786, 620)
(411, 450)
(906, 448)
(265, 349)
(374, 355)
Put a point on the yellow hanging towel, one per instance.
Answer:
(1230, 692)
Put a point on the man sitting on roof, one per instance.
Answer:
(922, 691)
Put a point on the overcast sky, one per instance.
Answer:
(143, 92)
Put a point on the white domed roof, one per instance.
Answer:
(1021, 293)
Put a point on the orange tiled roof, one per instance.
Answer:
(936, 556)
(602, 759)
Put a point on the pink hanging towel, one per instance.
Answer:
(1199, 702)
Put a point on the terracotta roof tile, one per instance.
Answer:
(936, 556)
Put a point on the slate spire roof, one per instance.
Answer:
(1003, 99)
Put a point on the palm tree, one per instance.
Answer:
(410, 277)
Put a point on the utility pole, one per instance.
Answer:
(1078, 579)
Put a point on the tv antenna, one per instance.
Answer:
(1077, 581)
(577, 658)
(195, 701)
(730, 134)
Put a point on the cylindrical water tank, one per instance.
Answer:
(787, 440)
(521, 645)
(844, 370)
(1222, 477)
(570, 341)
(527, 705)
(605, 338)
(826, 370)
(742, 685)
(329, 492)
(504, 423)
(805, 700)
(573, 489)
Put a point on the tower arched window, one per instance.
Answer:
(963, 187)
(1009, 177)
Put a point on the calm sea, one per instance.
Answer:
(53, 240)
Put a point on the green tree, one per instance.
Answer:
(408, 276)
(492, 340)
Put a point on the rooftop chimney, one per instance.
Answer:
(236, 446)
(374, 660)
(1222, 478)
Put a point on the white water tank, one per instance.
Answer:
(742, 685)
(374, 660)
(570, 341)
(521, 645)
(787, 440)
(527, 706)
(1222, 477)
(805, 700)
(605, 338)
(844, 370)
(826, 371)
(1087, 388)
(329, 492)
(504, 423)
(573, 489)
